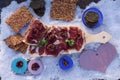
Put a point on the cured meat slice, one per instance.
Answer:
(36, 49)
(41, 50)
(51, 37)
(32, 49)
(35, 32)
(63, 33)
(57, 33)
(52, 49)
(79, 40)
(77, 36)
(73, 32)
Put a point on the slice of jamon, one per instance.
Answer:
(32, 49)
(79, 41)
(63, 33)
(51, 35)
(35, 32)
(77, 36)
(56, 33)
(52, 49)
(35, 49)
(73, 32)
(41, 50)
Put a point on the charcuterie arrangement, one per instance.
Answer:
(42, 40)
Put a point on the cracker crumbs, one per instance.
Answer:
(16, 42)
(19, 18)
(62, 11)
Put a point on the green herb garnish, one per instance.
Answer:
(70, 42)
(42, 42)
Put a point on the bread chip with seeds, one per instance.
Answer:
(15, 42)
(19, 18)
(62, 11)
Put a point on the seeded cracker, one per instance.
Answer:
(66, 1)
(15, 42)
(63, 11)
(19, 18)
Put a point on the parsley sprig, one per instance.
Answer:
(70, 42)
(42, 42)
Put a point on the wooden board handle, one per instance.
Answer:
(101, 37)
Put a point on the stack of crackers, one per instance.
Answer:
(63, 9)
(15, 42)
(16, 22)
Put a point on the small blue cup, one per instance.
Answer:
(16, 69)
(100, 20)
(68, 60)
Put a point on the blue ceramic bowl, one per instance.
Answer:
(69, 63)
(19, 70)
(93, 9)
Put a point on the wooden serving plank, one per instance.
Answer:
(102, 37)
